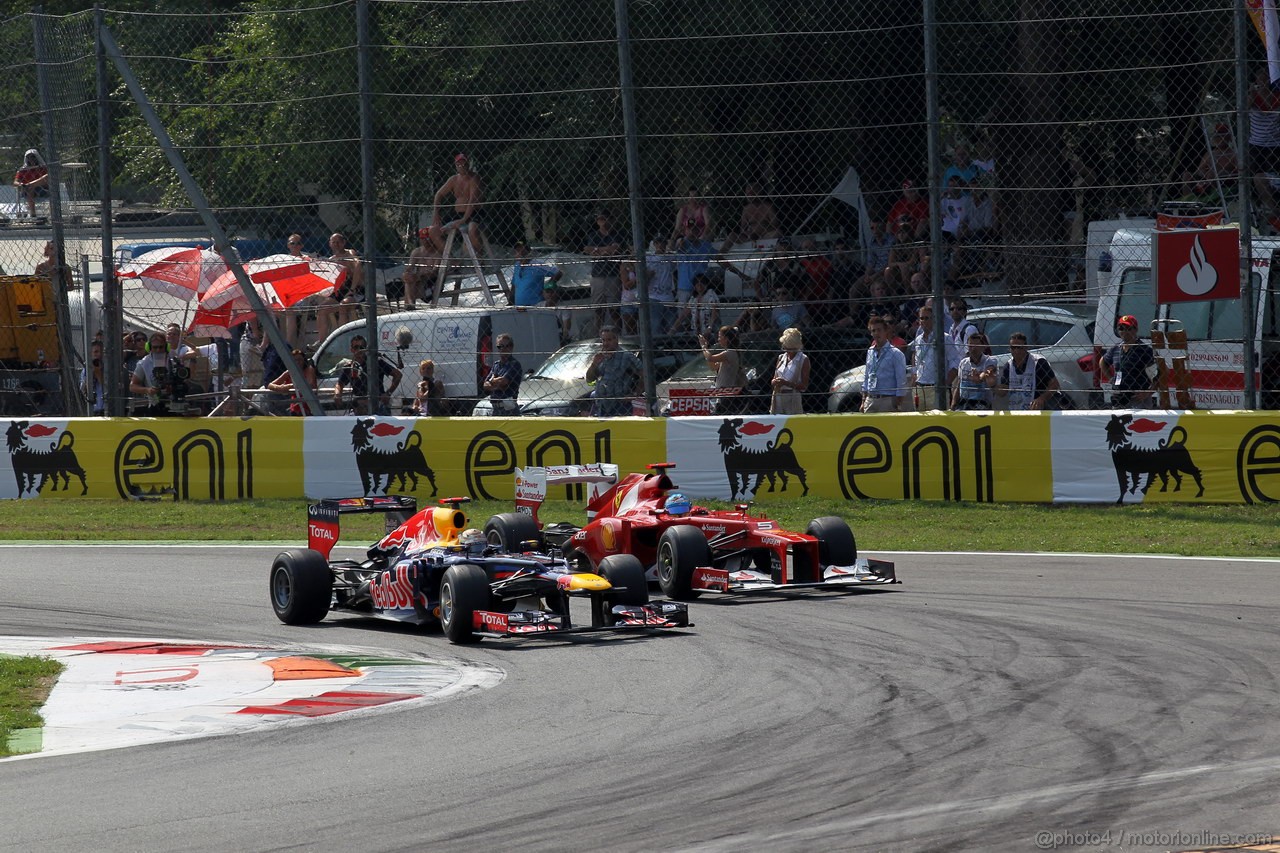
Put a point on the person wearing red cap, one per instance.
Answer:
(465, 188)
(421, 269)
(1129, 367)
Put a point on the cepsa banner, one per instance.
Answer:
(1065, 457)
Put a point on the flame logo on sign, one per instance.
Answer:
(1198, 277)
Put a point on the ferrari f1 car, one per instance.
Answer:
(686, 549)
(430, 568)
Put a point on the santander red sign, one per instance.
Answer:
(1196, 264)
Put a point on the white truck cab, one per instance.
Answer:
(1215, 328)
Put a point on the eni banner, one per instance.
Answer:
(1061, 457)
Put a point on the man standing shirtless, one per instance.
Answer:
(347, 299)
(420, 272)
(467, 192)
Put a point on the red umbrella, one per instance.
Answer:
(184, 273)
(281, 281)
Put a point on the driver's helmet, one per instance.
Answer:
(678, 504)
(473, 540)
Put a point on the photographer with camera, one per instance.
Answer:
(161, 378)
(353, 373)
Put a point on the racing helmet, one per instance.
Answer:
(678, 504)
(473, 540)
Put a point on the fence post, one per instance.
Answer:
(630, 132)
(933, 125)
(72, 399)
(112, 319)
(1248, 307)
(365, 74)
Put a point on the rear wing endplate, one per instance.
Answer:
(323, 528)
(532, 482)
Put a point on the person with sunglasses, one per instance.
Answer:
(503, 381)
(354, 373)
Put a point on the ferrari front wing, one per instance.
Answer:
(865, 572)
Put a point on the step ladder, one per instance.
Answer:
(451, 274)
(1169, 340)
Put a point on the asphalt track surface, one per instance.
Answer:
(989, 703)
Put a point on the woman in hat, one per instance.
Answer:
(790, 376)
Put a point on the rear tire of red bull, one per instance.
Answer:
(301, 586)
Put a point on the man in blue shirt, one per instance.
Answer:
(527, 278)
(693, 255)
(884, 385)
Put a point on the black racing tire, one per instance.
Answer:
(625, 571)
(681, 549)
(464, 589)
(301, 586)
(510, 530)
(836, 545)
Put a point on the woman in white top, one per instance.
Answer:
(703, 309)
(791, 376)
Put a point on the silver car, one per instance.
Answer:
(1062, 334)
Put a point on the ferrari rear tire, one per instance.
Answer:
(464, 589)
(681, 549)
(836, 545)
(510, 530)
(301, 586)
(625, 572)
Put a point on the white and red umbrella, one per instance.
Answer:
(184, 273)
(281, 281)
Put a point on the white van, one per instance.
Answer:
(458, 340)
(1215, 336)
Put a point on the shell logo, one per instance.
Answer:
(608, 537)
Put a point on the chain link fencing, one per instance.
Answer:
(769, 166)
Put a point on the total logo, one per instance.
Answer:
(495, 621)
(317, 531)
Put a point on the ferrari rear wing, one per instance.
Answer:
(532, 482)
(323, 527)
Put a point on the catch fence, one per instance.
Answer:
(817, 161)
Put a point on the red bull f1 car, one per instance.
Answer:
(431, 569)
(687, 550)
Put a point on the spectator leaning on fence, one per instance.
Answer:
(884, 383)
(1027, 379)
(503, 382)
(1128, 367)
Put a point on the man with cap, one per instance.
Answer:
(464, 186)
(422, 268)
(1129, 367)
(527, 279)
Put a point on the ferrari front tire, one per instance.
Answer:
(301, 586)
(836, 545)
(464, 589)
(681, 549)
